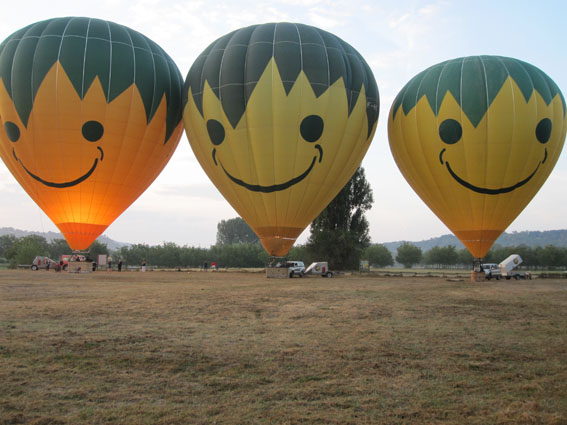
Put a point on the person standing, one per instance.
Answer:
(120, 264)
(144, 265)
(109, 262)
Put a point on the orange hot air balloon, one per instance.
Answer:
(90, 113)
(476, 138)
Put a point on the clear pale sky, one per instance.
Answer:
(398, 39)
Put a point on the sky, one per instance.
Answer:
(398, 39)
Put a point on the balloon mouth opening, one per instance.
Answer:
(478, 242)
(80, 236)
(63, 184)
(275, 187)
(277, 246)
(277, 241)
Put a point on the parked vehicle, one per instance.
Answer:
(320, 268)
(295, 268)
(40, 262)
(491, 270)
(506, 269)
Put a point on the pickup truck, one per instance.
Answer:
(506, 269)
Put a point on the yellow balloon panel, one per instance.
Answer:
(275, 180)
(478, 172)
(283, 151)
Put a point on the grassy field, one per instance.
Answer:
(236, 348)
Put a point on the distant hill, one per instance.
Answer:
(529, 238)
(49, 236)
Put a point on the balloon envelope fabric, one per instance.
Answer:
(280, 116)
(476, 138)
(91, 113)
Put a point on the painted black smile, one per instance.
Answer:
(275, 187)
(484, 190)
(64, 184)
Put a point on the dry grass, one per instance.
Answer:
(236, 348)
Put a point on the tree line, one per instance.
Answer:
(15, 251)
(339, 235)
(409, 255)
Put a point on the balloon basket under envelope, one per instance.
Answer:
(79, 267)
(478, 276)
(277, 272)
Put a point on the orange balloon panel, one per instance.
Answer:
(83, 152)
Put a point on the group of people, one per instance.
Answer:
(213, 265)
(109, 264)
(119, 264)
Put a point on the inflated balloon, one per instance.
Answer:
(476, 138)
(90, 113)
(279, 117)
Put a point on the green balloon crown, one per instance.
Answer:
(87, 48)
(234, 63)
(474, 82)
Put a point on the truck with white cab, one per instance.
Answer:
(295, 268)
(506, 269)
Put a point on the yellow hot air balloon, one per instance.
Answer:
(476, 138)
(279, 117)
(90, 113)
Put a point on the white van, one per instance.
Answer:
(295, 268)
(40, 262)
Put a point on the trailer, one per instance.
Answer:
(506, 269)
(319, 268)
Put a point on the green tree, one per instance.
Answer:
(378, 255)
(235, 230)
(552, 256)
(192, 256)
(528, 256)
(134, 254)
(97, 248)
(238, 255)
(300, 253)
(6, 244)
(464, 257)
(441, 256)
(58, 247)
(408, 255)
(27, 248)
(340, 233)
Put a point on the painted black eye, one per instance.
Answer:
(311, 128)
(450, 131)
(543, 130)
(216, 132)
(12, 131)
(92, 131)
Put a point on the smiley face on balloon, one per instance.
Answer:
(451, 132)
(90, 113)
(279, 117)
(476, 138)
(311, 130)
